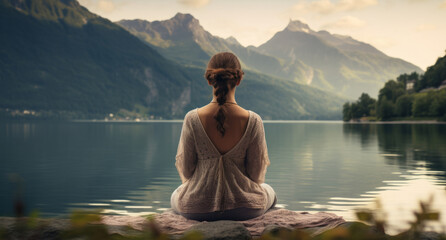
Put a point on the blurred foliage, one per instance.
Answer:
(398, 102)
(88, 225)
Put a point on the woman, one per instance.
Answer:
(222, 154)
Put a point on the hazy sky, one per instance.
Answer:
(414, 30)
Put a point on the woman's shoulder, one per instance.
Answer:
(255, 117)
(189, 117)
(190, 113)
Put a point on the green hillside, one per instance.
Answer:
(409, 97)
(55, 55)
(61, 61)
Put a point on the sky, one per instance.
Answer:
(413, 30)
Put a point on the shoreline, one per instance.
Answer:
(398, 122)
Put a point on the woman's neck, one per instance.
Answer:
(230, 97)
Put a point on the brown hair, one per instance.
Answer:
(223, 71)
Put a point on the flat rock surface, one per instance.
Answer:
(172, 223)
(222, 230)
(175, 224)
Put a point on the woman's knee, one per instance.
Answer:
(174, 201)
(271, 195)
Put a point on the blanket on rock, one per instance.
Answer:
(172, 223)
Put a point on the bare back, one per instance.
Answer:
(235, 125)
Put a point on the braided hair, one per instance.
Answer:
(223, 72)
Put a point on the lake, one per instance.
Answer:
(128, 167)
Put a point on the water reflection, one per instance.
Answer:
(420, 152)
(128, 168)
(404, 143)
(365, 133)
(64, 163)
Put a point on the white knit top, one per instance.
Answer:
(216, 182)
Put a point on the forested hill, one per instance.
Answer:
(409, 97)
(57, 56)
(61, 61)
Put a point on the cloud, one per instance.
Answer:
(425, 27)
(328, 7)
(382, 42)
(194, 3)
(345, 22)
(443, 5)
(106, 6)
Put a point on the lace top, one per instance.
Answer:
(217, 182)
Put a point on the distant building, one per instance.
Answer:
(409, 85)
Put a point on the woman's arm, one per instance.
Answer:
(186, 158)
(257, 159)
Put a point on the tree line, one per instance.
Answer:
(409, 96)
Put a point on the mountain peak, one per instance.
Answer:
(184, 18)
(31, 6)
(183, 21)
(232, 40)
(67, 11)
(298, 26)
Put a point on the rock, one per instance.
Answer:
(275, 229)
(221, 230)
(176, 224)
(420, 236)
(430, 236)
(13, 228)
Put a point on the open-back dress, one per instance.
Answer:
(217, 182)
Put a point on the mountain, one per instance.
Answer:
(331, 62)
(61, 61)
(185, 41)
(58, 56)
(342, 63)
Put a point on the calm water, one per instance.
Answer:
(128, 168)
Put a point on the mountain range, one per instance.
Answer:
(331, 62)
(59, 60)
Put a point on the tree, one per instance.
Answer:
(346, 112)
(404, 78)
(355, 111)
(385, 109)
(404, 106)
(436, 74)
(392, 90)
(366, 104)
(363, 107)
(442, 103)
(421, 105)
(437, 107)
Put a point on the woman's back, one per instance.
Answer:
(222, 154)
(213, 181)
(235, 125)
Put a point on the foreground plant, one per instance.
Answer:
(88, 225)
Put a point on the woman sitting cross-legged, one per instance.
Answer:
(222, 154)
